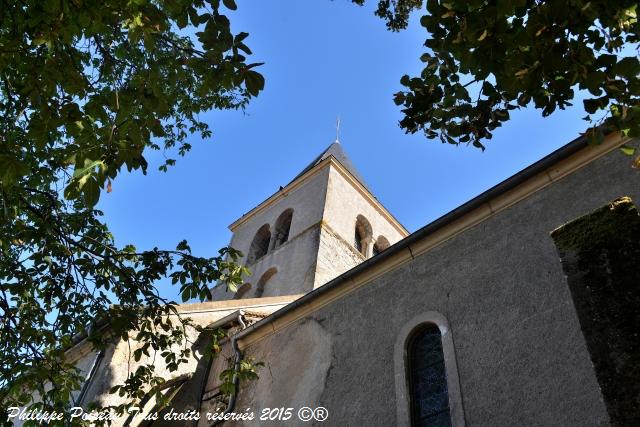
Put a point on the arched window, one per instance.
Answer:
(429, 396)
(263, 281)
(381, 244)
(242, 290)
(283, 225)
(362, 235)
(259, 245)
(357, 240)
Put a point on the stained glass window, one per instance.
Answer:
(428, 379)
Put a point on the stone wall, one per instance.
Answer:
(344, 203)
(320, 245)
(295, 260)
(335, 256)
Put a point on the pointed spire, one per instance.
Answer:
(335, 150)
(338, 130)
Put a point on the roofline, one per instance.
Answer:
(540, 174)
(283, 192)
(297, 182)
(364, 191)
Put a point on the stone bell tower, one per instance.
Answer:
(321, 224)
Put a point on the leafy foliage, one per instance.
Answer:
(85, 90)
(247, 371)
(512, 53)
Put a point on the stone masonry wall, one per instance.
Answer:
(335, 256)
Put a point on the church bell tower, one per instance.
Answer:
(321, 224)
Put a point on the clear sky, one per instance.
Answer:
(322, 59)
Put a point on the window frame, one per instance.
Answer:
(284, 221)
(254, 254)
(363, 231)
(401, 360)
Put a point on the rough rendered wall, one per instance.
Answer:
(521, 356)
(287, 380)
(295, 260)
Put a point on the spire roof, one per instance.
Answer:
(335, 150)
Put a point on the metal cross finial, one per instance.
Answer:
(338, 129)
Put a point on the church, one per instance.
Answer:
(520, 307)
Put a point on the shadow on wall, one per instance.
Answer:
(600, 255)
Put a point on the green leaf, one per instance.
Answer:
(230, 4)
(186, 295)
(241, 36)
(91, 192)
(628, 67)
(88, 167)
(11, 169)
(629, 151)
(593, 105)
(254, 82)
(182, 20)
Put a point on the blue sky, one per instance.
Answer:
(322, 59)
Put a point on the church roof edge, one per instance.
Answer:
(335, 150)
